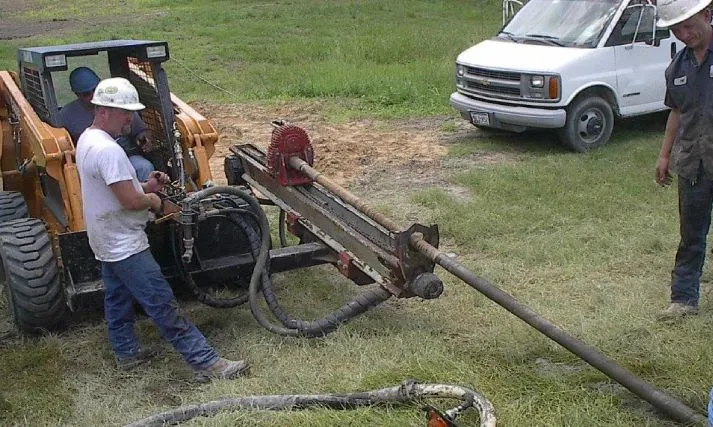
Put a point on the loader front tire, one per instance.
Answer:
(12, 206)
(31, 277)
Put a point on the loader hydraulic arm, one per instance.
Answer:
(31, 147)
(199, 139)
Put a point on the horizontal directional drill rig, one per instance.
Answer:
(367, 247)
(207, 234)
(332, 226)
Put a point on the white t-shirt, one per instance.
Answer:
(114, 233)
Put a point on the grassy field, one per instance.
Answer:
(586, 240)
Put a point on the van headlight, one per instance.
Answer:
(541, 87)
(460, 70)
(537, 81)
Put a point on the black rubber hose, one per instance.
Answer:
(200, 294)
(262, 257)
(330, 322)
(183, 266)
(281, 229)
(258, 281)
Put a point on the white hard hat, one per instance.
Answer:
(117, 92)
(672, 12)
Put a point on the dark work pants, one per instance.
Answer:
(695, 199)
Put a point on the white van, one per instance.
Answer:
(569, 65)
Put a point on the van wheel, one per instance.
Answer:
(589, 124)
(12, 206)
(31, 277)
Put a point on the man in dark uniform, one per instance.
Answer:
(687, 148)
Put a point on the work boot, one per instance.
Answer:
(677, 310)
(223, 369)
(142, 356)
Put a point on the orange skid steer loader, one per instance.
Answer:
(47, 265)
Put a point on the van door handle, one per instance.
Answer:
(673, 49)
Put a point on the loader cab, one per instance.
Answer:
(44, 79)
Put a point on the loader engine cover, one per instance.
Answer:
(288, 141)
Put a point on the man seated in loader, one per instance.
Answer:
(79, 114)
(116, 210)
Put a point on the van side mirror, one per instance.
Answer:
(655, 41)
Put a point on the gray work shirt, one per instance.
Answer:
(689, 88)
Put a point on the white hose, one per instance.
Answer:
(409, 391)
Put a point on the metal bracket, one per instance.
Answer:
(415, 267)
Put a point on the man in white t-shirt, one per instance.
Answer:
(116, 209)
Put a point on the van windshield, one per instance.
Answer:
(574, 23)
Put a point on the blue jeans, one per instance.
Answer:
(139, 278)
(710, 410)
(143, 167)
(695, 199)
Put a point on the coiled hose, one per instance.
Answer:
(260, 245)
(407, 392)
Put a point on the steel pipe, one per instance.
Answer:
(658, 398)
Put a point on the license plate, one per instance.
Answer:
(480, 118)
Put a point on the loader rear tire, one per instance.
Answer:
(12, 206)
(31, 277)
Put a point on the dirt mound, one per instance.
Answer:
(342, 151)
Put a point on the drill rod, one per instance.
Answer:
(658, 398)
(351, 199)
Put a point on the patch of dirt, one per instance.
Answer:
(383, 162)
(8, 7)
(357, 152)
(13, 27)
(546, 368)
(342, 151)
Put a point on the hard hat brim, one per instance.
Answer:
(671, 22)
(131, 107)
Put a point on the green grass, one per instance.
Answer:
(586, 240)
(381, 58)
(33, 389)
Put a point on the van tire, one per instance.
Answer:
(589, 124)
(31, 277)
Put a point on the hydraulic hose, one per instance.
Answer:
(281, 229)
(262, 256)
(200, 294)
(325, 325)
(260, 246)
(408, 392)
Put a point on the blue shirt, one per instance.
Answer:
(77, 118)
